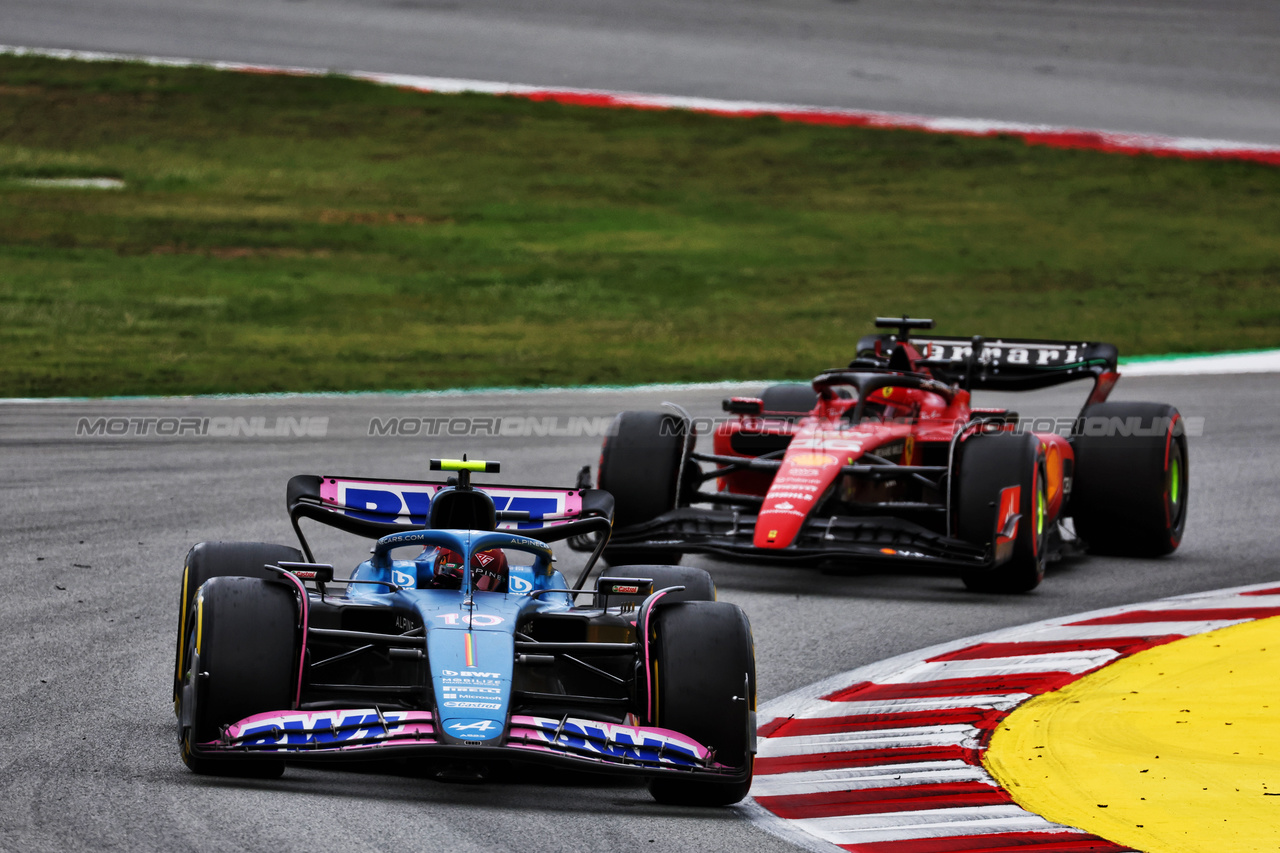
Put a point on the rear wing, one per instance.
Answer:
(373, 507)
(1004, 364)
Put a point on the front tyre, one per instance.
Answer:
(639, 466)
(207, 560)
(1129, 497)
(999, 477)
(244, 656)
(703, 669)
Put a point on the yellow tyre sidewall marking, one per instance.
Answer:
(199, 622)
(1176, 748)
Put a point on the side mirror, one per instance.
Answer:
(743, 405)
(321, 573)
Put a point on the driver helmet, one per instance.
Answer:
(489, 570)
(883, 404)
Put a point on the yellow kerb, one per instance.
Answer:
(1173, 749)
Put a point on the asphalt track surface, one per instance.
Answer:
(1202, 68)
(95, 530)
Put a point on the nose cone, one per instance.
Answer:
(795, 491)
(471, 674)
(471, 651)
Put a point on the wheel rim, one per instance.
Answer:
(1176, 487)
(1040, 511)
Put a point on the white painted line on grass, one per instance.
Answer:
(70, 183)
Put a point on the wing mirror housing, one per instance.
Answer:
(743, 405)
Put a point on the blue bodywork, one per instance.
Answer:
(397, 665)
(472, 694)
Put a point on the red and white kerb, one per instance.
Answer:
(888, 758)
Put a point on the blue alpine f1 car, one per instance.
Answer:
(459, 645)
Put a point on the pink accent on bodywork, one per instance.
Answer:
(302, 652)
(524, 726)
(648, 669)
(344, 731)
(328, 490)
(311, 717)
(583, 739)
(401, 725)
(332, 489)
(603, 759)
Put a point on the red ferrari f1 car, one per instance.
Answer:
(886, 461)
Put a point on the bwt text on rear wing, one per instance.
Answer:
(373, 508)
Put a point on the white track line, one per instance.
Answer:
(1074, 662)
(952, 735)
(863, 778)
(1003, 702)
(938, 823)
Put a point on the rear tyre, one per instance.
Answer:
(208, 560)
(639, 466)
(792, 401)
(986, 467)
(704, 673)
(1130, 492)
(244, 661)
(698, 585)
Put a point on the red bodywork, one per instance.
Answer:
(866, 468)
(900, 425)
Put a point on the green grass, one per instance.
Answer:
(287, 233)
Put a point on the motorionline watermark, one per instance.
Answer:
(259, 426)
(1092, 426)
(453, 426)
(573, 426)
(577, 426)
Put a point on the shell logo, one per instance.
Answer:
(814, 460)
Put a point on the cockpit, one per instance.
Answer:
(874, 397)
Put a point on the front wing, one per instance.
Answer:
(882, 539)
(371, 733)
